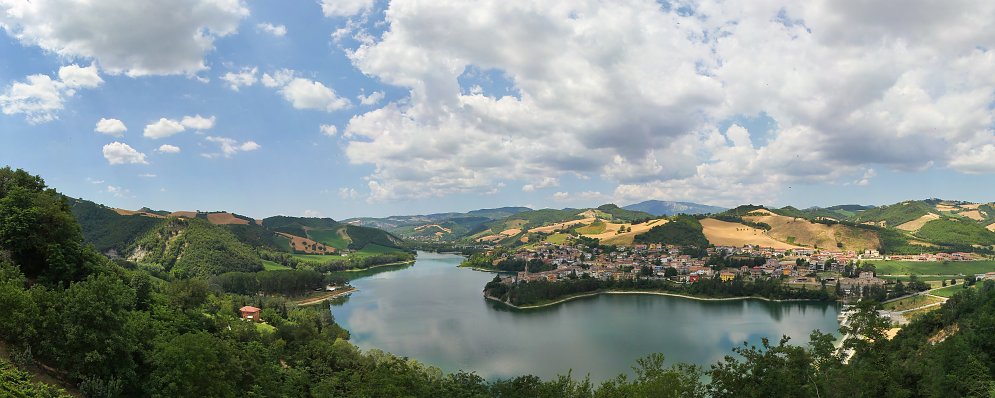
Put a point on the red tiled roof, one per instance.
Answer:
(249, 308)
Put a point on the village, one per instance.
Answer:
(797, 267)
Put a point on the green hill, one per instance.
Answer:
(896, 214)
(193, 247)
(682, 230)
(952, 232)
(620, 214)
(107, 230)
(332, 233)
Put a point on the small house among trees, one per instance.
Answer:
(250, 313)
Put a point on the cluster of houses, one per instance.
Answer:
(628, 263)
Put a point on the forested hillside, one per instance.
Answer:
(193, 247)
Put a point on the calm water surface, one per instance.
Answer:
(435, 313)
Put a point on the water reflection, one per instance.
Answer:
(434, 312)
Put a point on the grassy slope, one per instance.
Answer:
(933, 267)
(956, 232)
(896, 214)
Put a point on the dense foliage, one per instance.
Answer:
(17, 383)
(258, 236)
(538, 292)
(896, 214)
(682, 230)
(107, 230)
(285, 282)
(194, 247)
(364, 236)
(948, 231)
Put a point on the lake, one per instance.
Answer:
(435, 313)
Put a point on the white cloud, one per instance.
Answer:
(229, 146)
(866, 178)
(121, 153)
(279, 78)
(243, 78)
(94, 181)
(166, 148)
(112, 127)
(635, 93)
(348, 193)
(544, 182)
(75, 76)
(329, 130)
(312, 213)
(198, 122)
(372, 99)
(148, 175)
(125, 36)
(39, 97)
(118, 192)
(345, 8)
(561, 196)
(249, 146)
(307, 94)
(163, 128)
(275, 30)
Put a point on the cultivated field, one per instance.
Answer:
(124, 212)
(567, 224)
(306, 245)
(611, 236)
(722, 233)
(952, 268)
(972, 214)
(914, 225)
(225, 219)
(802, 232)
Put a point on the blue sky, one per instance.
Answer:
(347, 108)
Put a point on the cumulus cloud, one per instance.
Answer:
(198, 122)
(312, 213)
(75, 76)
(243, 78)
(112, 127)
(125, 36)
(275, 30)
(637, 94)
(229, 146)
(308, 94)
(166, 148)
(163, 128)
(372, 99)
(329, 130)
(39, 98)
(345, 8)
(121, 153)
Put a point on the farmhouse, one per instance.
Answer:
(250, 313)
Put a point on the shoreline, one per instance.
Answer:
(646, 292)
(376, 266)
(319, 300)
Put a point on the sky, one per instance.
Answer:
(344, 108)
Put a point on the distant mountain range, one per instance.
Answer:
(668, 208)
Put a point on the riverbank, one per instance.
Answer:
(326, 296)
(645, 292)
(376, 266)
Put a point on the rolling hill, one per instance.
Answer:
(195, 243)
